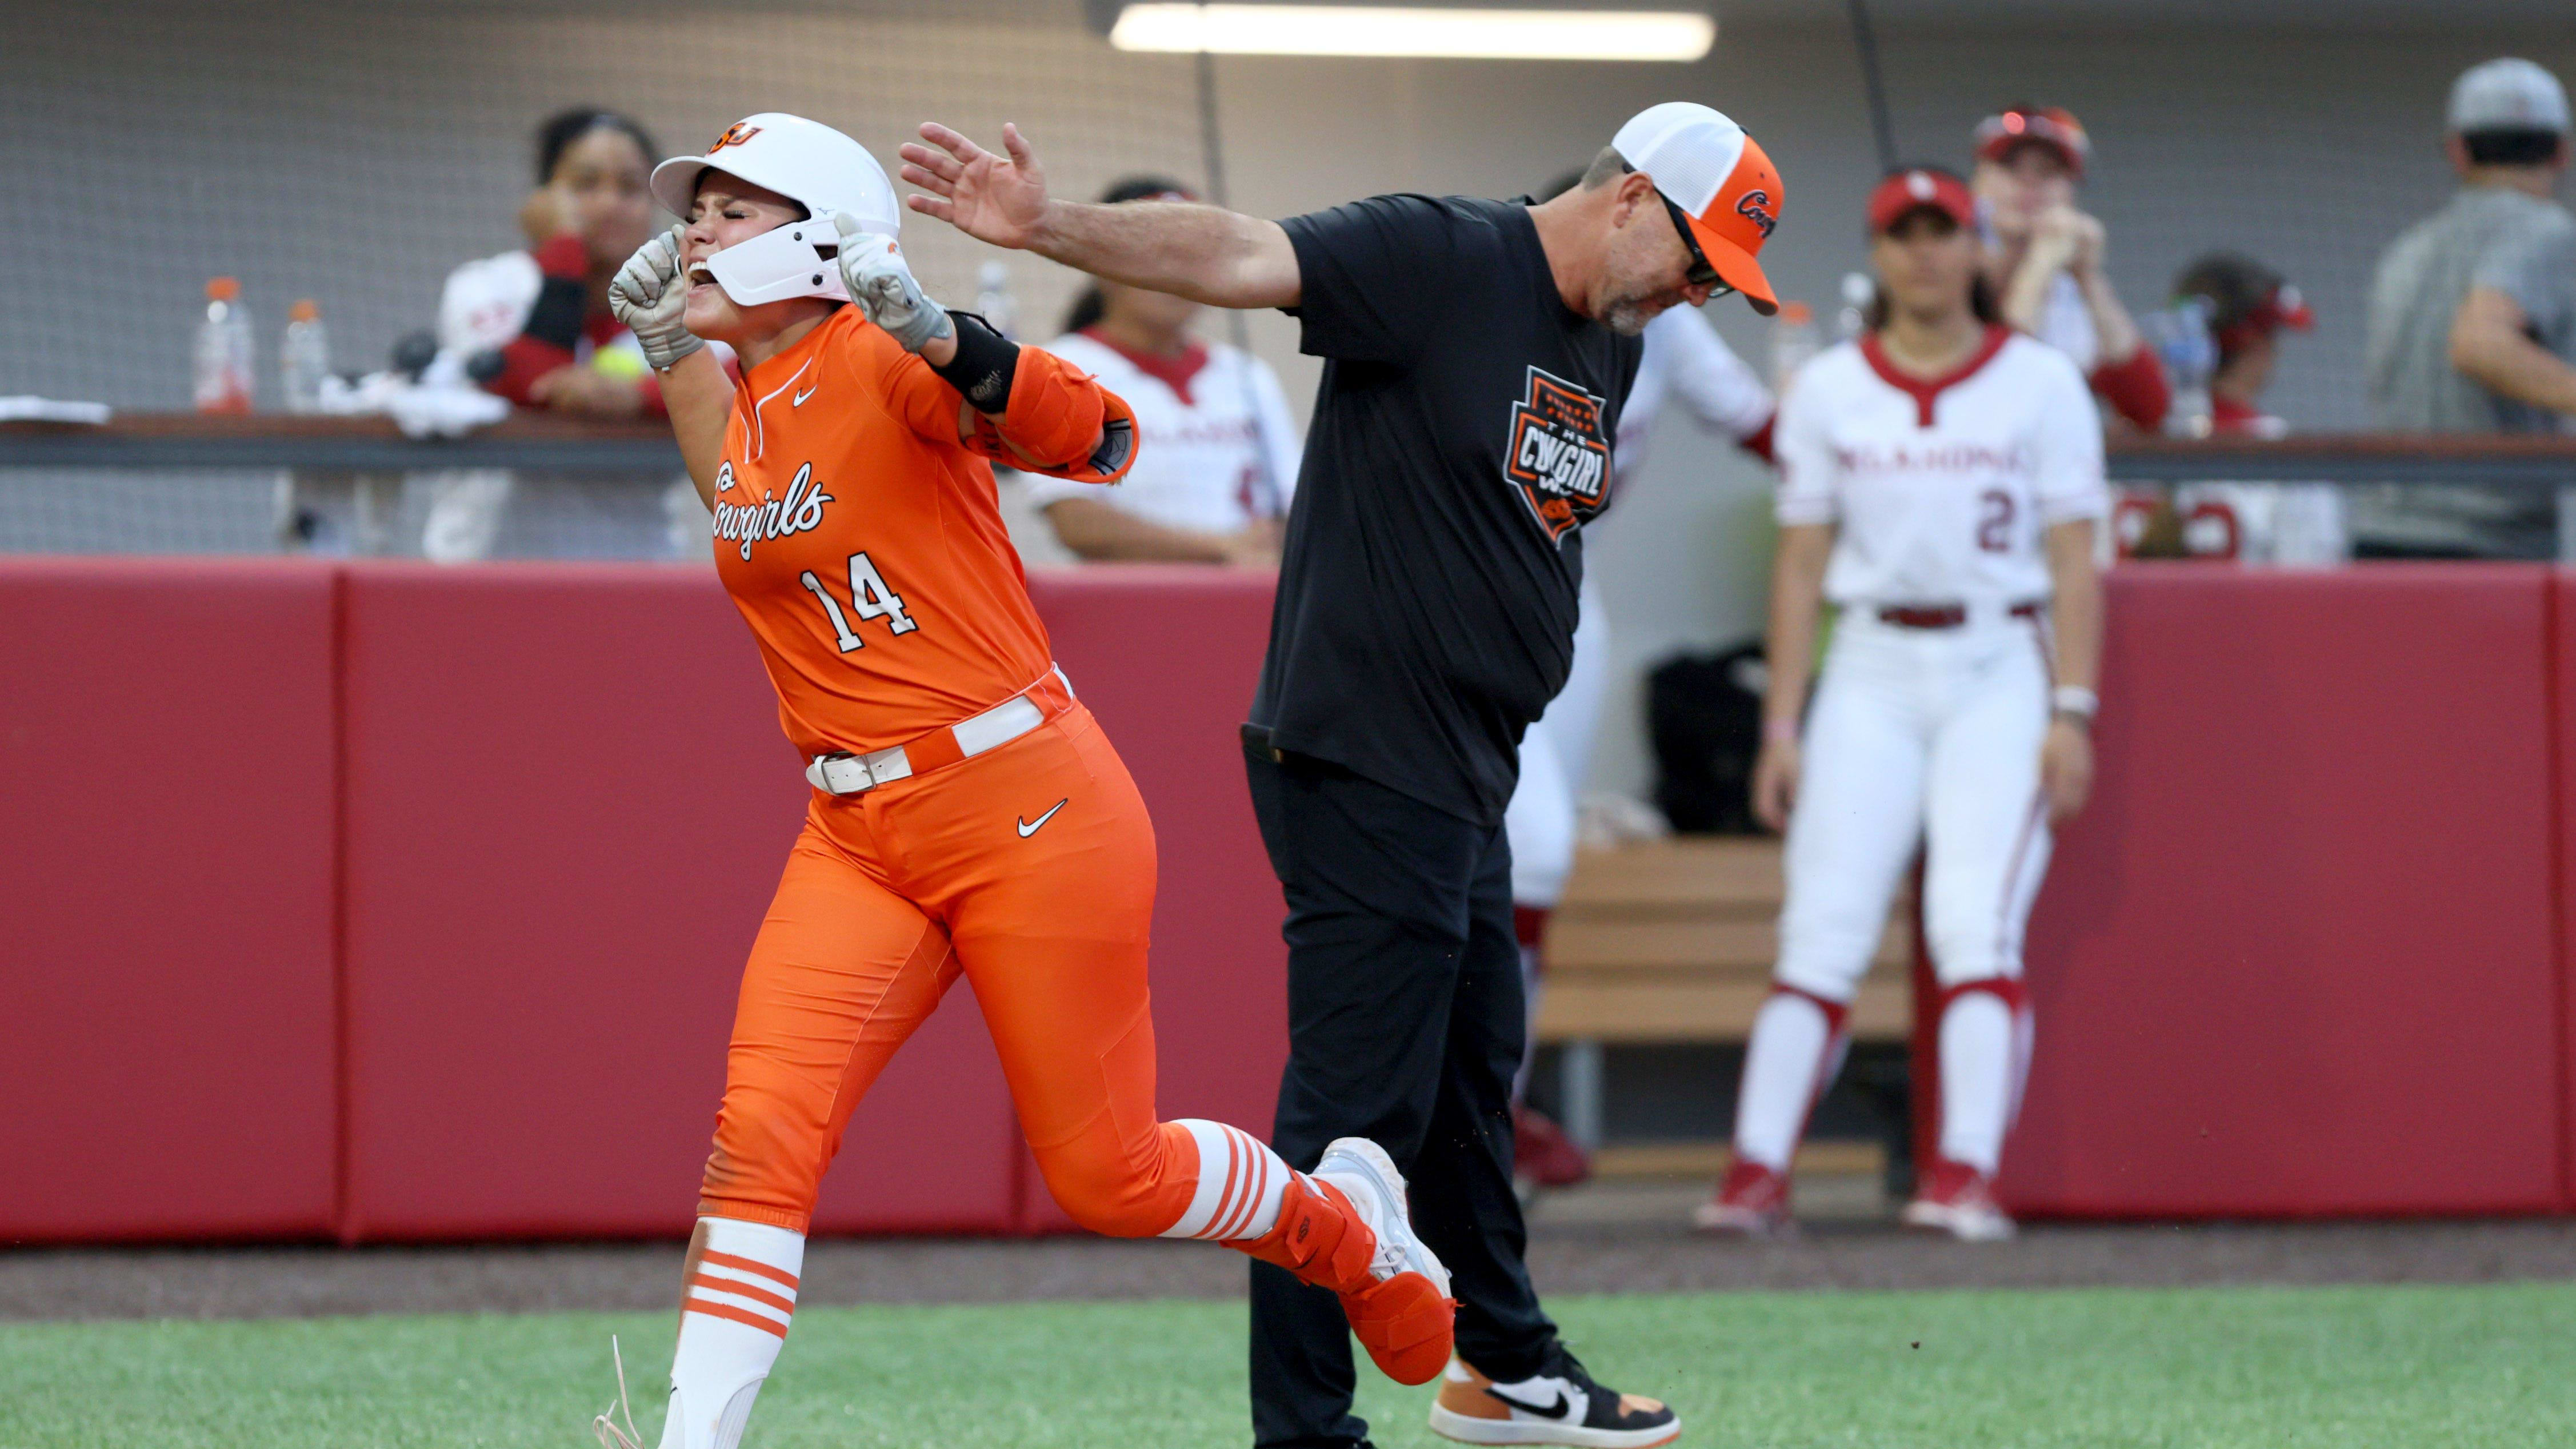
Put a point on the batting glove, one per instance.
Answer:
(872, 267)
(647, 295)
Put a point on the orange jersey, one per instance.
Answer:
(864, 543)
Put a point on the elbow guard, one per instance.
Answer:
(1061, 421)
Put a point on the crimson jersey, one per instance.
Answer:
(862, 539)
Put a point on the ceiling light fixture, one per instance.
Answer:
(1237, 29)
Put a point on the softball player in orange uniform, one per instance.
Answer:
(968, 816)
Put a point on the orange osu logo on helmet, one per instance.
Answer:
(735, 135)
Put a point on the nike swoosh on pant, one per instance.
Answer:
(1028, 829)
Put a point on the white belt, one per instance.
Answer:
(846, 774)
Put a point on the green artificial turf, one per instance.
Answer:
(2264, 1368)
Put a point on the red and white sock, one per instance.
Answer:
(1797, 1047)
(1985, 1052)
(741, 1293)
(1240, 1181)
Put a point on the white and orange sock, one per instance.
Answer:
(740, 1295)
(1240, 1181)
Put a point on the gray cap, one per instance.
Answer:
(2508, 95)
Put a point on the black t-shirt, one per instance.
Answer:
(1461, 437)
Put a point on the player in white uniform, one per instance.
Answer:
(2045, 258)
(533, 326)
(1941, 484)
(1686, 362)
(1218, 454)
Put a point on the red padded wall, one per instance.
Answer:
(1167, 657)
(166, 997)
(2299, 956)
(568, 803)
(2562, 700)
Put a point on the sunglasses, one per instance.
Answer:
(1701, 274)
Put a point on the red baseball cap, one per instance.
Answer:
(2052, 126)
(1718, 178)
(1921, 188)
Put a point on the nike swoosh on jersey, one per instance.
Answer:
(1558, 1410)
(1027, 829)
(798, 401)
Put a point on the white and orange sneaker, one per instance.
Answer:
(1559, 1405)
(1753, 1201)
(1957, 1199)
(1346, 1226)
(1405, 1317)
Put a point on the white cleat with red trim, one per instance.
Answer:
(1957, 1199)
(1752, 1202)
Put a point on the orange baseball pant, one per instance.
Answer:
(1029, 868)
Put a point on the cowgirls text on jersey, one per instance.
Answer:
(1558, 456)
(797, 510)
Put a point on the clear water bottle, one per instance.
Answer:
(993, 299)
(1858, 291)
(303, 358)
(1793, 341)
(2183, 342)
(223, 370)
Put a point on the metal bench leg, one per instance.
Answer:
(1579, 1092)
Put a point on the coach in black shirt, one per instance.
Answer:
(1476, 357)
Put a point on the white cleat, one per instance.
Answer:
(1959, 1200)
(1367, 1176)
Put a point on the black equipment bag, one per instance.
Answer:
(1704, 712)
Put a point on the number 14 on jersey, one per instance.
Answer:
(869, 599)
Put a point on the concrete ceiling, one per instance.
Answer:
(2341, 16)
(1946, 14)
(2334, 15)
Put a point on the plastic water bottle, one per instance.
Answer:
(1858, 292)
(2182, 340)
(1793, 341)
(303, 358)
(223, 371)
(993, 299)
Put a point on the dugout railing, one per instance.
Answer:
(186, 483)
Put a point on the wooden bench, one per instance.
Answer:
(1673, 941)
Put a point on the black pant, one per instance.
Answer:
(1405, 1026)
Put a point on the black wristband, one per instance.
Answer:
(556, 318)
(985, 363)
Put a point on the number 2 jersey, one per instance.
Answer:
(862, 539)
(1940, 488)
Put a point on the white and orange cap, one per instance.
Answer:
(1720, 180)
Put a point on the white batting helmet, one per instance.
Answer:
(810, 164)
